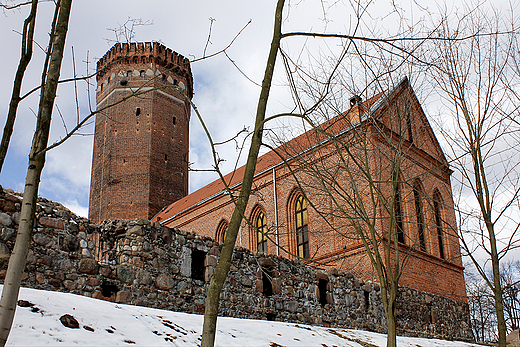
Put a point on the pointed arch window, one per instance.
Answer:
(302, 228)
(261, 232)
(417, 195)
(221, 231)
(437, 202)
(398, 210)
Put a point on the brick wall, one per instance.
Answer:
(140, 158)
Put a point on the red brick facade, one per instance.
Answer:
(429, 247)
(140, 159)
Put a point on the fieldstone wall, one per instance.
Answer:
(142, 263)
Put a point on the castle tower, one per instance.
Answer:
(140, 159)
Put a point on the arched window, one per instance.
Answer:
(417, 195)
(302, 228)
(398, 210)
(261, 232)
(437, 202)
(221, 231)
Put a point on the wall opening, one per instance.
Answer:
(129, 73)
(174, 120)
(197, 264)
(271, 316)
(367, 300)
(267, 284)
(108, 288)
(141, 73)
(137, 111)
(322, 291)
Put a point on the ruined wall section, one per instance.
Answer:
(142, 263)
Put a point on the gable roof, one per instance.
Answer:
(338, 125)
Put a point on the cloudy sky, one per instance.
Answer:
(223, 94)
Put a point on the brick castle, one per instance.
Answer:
(140, 171)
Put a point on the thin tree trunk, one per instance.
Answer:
(221, 272)
(497, 290)
(27, 45)
(36, 162)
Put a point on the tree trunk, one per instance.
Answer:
(497, 288)
(221, 272)
(36, 162)
(27, 45)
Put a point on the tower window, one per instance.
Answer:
(141, 73)
(174, 120)
(129, 73)
(165, 157)
(175, 82)
(163, 76)
(398, 211)
(108, 79)
(138, 111)
(419, 215)
(302, 228)
(438, 222)
(409, 127)
(261, 233)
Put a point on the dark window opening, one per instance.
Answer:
(165, 157)
(267, 285)
(420, 218)
(398, 215)
(302, 228)
(322, 291)
(367, 300)
(108, 79)
(175, 82)
(123, 82)
(438, 224)
(108, 288)
(271, 316)
(197, 264)
(141, 73)
(174, 120)
(138, 111)
(101, 86)
(163, 76)
(129, 73)
(409, 127)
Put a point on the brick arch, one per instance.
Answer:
(418, 196)
(258, 218)
(297, 231)
(222, 228)
(438, 218)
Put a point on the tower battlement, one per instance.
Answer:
(145, 53)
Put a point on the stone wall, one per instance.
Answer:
(142, 263)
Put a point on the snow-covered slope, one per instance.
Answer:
(103, 323)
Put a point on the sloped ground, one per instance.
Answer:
(37, 323)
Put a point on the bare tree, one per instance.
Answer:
(50, 78)
(477, 80)
(26, 55)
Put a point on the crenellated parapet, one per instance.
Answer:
(152, 53)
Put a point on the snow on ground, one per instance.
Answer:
(107, 324)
